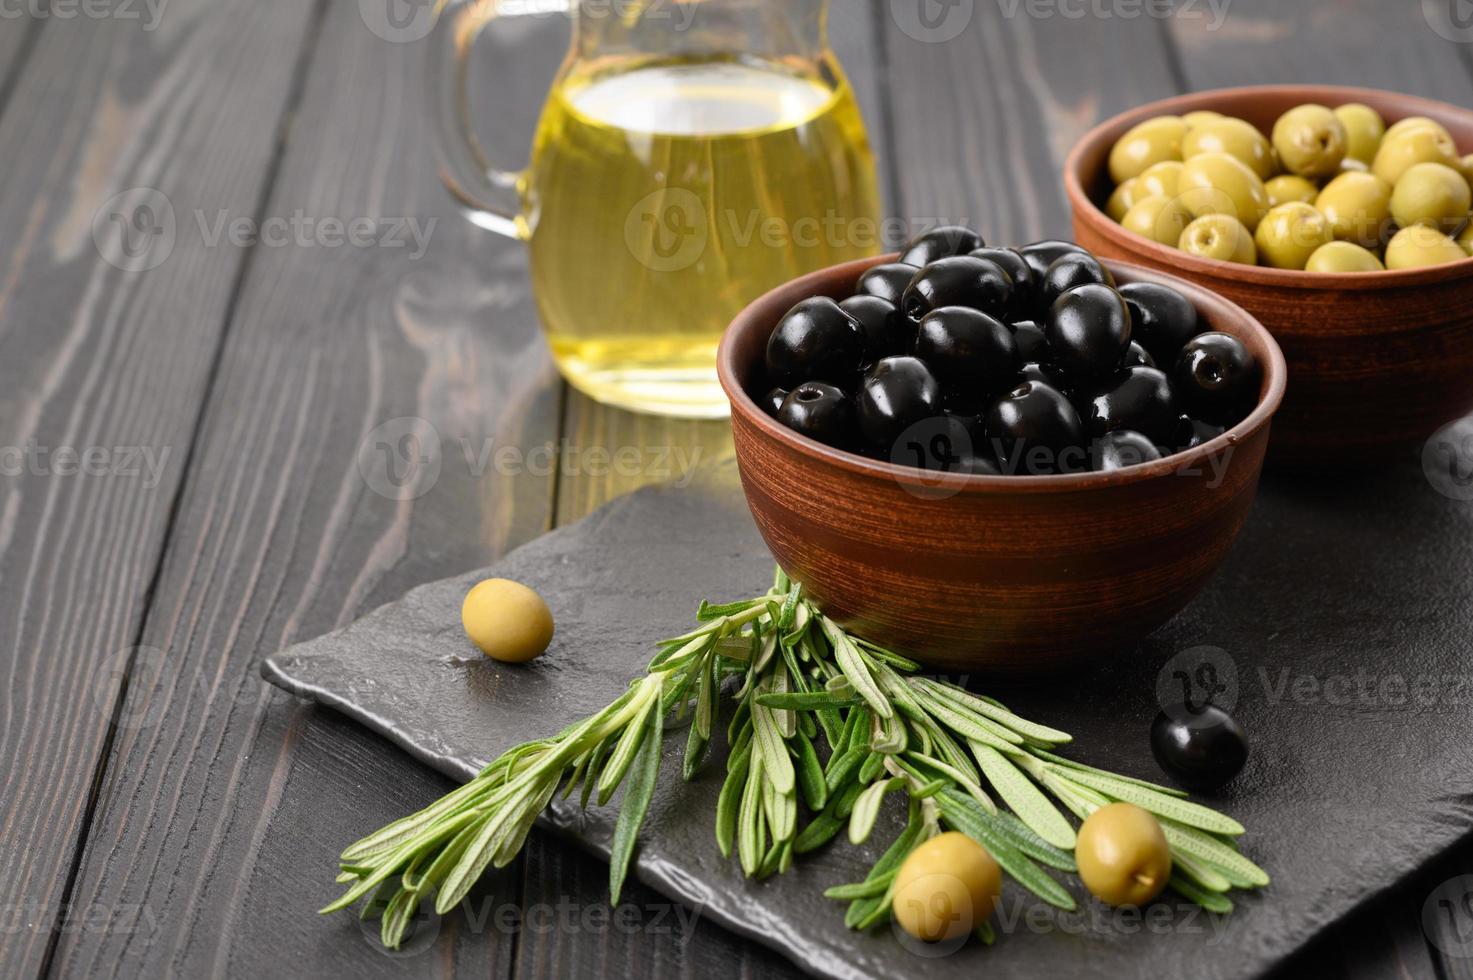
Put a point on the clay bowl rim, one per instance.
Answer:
(1085, 209)
(763, 313)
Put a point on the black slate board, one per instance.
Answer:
(1340, 627)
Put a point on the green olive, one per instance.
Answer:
(1219, 236)
(1290, 187)
(1400, 151)
(1152, 141)
(1234, 137)
(1122, 197)
(1216, 183)
(507, 620)
(1159, 179)
(1416, 122)
(1358, 207)
(1289, 234)
(1311, 141)
(1431, 194)
(945, 888)
(1161, 219)
(1199, 116)
(1363, 130)
(1122, 855)
(1352, 165)
(1343, 257)
(1419, 246)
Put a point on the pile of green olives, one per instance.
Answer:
(1329, 190)
(960, 357)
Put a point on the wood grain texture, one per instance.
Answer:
(94, 358)
(226, 803)
(984, 119)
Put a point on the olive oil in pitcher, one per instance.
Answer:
(665, 195)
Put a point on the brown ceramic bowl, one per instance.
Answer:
(1380, 360)
(1002, 574)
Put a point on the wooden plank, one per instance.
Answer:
(98, 359)
(17, 43)
(227, 803)
(1347, 42)
(989, 98)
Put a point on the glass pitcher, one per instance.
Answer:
(690, 156)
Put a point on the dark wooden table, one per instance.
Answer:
(181, 495)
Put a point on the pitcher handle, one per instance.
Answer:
(489, 194)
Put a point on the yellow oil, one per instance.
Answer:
(663, 196)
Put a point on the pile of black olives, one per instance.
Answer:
(962, 357)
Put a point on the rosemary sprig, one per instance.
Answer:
(825, 726)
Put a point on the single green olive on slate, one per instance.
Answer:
(507, 620)
(1122, 855)
(945, 888)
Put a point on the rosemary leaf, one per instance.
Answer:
(638, 791)
(1025, 799)
(1182, 811)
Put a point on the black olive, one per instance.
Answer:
(958, 281)
(886, 281)
(1041, 255)
(1199, 747)
(940, 243)
(1088, 331)
(945, 443)
(1190, 433)
(886, 330)
(968, 351)
(815, 341)
(1044, 374)
(1032, 345)
(773, 400)
(1135, 354)
(1018, 270)
(1137, 398)
(1034, 430)
(1161, 319)
(1121, 448)
(1069, 272)
(895, 394)
(820, 411)
(1216, 378)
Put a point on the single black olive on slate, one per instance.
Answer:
(815, 341)
(958, 281)
(1137, 398)
(1121, 448)
(895, 394)
(887, 281)
(1201, 748)
(1034, 430)
(886, 330)
(1162, 320)
(1088, 331)
(968, 351)
(940, 243)
(1216, 378)
(820, 411)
